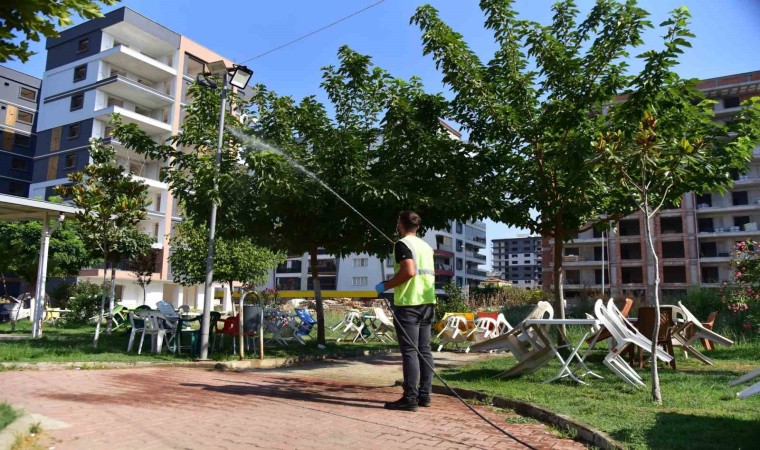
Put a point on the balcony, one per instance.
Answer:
(148, 124)
(718, 209)
(474, 255)
(714, 259)
(730, 232)
(445, 248)
(140, 64)
(281, 269)
(136, 92)
(476, 272)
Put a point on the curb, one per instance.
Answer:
(268, 363)
(20, 427)
(583, 432)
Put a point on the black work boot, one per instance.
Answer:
(403, 404)
(424, 401)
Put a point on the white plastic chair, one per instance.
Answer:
(700, 332)
(452, 332)
(138, 327)
(752, 390)
(155, 327)
(485, 329)
(502, 324)
(624, 335)
(385, 325)
(352, 325)
(506, 340)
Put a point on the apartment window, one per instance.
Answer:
(80, 73)
(22, 140)
(157, 202)
(573, 277)
(19, 164)
(73, 131)
(361, 262)
(25, 117)
(572, 251)
(115, 102)
(631, 275)
(143, 111)
(459, 227)
(194, 66)
(740, 198)
(708, 249)
(740, 221)
(83, 45)
(389, 262)
(77, 102)
(70, 161)
(731, 102)
(527, 255)
(155, 230)
(460, 281)
(358, 281)
(598, 276)
(630, 251)
(673, 249)
(629, 227)
(710, 275)
(671, 225)
(16, 188)
(674, 274)
(704, 200)
(598, 254)
(705, 225)
(460, 264)
(27, 94)
(460, 245)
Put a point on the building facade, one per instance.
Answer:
(518, 260)
(457, 254)
(693, 241)
(126, 64)
(19, 100)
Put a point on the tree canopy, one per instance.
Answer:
(31, 20)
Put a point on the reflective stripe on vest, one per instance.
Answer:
(420, 289)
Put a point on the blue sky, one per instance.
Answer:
(728, 34)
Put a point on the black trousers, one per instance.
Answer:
(413, 328)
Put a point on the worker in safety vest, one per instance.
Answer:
(413, 310)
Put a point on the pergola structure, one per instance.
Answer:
(18, 208)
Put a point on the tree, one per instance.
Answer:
(532, 111)
(383, 150)
(662, 141)
(20, 247)
(238, 259)
(37, 18)
(143, 267)
(112, 204)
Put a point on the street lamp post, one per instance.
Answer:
(240, 77)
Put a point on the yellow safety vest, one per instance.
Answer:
(420, 289)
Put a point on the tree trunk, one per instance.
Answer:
(145, 294)
(102, 305)
(559, 303)
(656, 393)
(109, 322)
(318, 297)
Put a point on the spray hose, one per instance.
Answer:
(452, 390)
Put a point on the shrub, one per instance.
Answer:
(453, 300)
(84, 302)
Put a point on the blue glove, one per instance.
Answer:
(380, 288)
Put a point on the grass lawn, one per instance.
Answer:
(699, 410)
(74, 344)
(7, 415)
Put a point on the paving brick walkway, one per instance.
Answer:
(326, 405)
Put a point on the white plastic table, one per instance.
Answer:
(539, 324)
